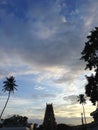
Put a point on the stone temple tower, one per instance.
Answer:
(49, 122)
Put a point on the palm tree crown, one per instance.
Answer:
(81, 99)
(9, 84)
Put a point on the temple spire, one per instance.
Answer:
(49, 122)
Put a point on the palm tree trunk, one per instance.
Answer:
(82, 119)
(5, 105)
(84, 114)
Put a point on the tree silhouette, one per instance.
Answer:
(82, 100)
(90, 56)
(9, 86)
(16, 121)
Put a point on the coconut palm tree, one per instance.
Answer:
(8, 86)
(82, 100)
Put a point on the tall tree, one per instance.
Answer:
(90, 56)
(82, 100)
(9, 86)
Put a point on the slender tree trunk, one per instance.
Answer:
(84, 114)
(5, 105)
(82, 119)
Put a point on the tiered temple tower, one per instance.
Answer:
(49, 119)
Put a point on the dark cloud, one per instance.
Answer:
(72, 99)
(34, 43)
(40, 96)
(67, 77)
(44, 40)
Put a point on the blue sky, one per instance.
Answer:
(40, 44)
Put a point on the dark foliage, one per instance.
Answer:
(40, 127)
(59, 127)
(90, 56)
(81, 99)
(15, 121)
(64, 127)
(9, 84)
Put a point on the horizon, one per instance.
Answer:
(40, 45)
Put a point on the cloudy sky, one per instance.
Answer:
(40, 44)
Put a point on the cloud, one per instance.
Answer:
(45, 41)
(41, 40)
(15, 101)
(72, 99)
(72, 121)
(51, 51)
(67, 77)
(46, 95)
(39, 88)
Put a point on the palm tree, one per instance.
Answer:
(82, 100)
(9, 86)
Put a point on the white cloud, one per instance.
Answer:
(63, 19)
(44, 31)
(39, 88)
(16, 101)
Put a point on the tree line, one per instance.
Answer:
(90, 56)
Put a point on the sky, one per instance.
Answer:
(40, 45)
